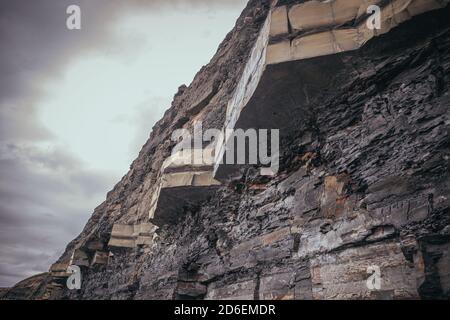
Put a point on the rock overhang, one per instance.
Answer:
(58, 270)
(131, 235)
(319, 28)
(186, 180)
(298, 56)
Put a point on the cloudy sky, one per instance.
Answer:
(77, 105)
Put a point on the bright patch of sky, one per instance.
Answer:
(105, 104)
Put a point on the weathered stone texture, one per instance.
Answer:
(364, 181)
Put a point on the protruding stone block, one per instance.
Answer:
(131, 236)
(122, 243)
(59, 270)
(326, 34)
(314, 14)
(186, 180)
(100, 258)
(279, 52)
(279, 23)
(181, 190)
(79, 258)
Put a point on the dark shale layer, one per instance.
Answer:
(364, 181)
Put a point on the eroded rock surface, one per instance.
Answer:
(364, 182)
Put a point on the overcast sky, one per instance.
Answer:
(77, 105)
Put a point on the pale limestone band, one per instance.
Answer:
(313, 18)
(131, 236)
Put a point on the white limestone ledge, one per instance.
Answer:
(318, 28)
(186, 180)
(87, 256)
(131, 236)
(59, 270)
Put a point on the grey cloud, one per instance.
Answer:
(36, 43)
(42, 208)
(34, 35)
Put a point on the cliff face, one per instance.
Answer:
(363, 182)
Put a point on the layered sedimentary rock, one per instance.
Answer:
(79, 258)
(31, 288)
(282, 74)
(131, 236)
(318, 28)
(59, 270)
(363, 179)
(100, 258)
